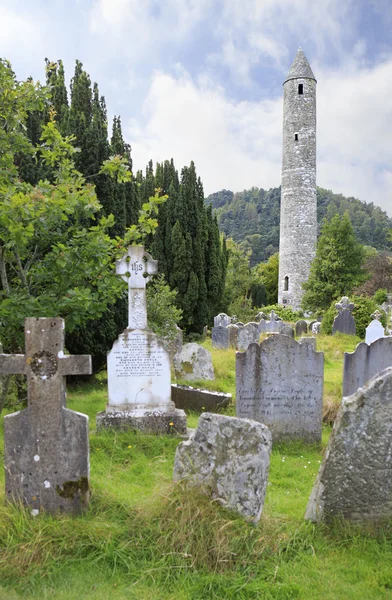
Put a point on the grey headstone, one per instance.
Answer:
(248, 335)
(355, 478)
(227, 459)
(301, 327)
(364, 363)
(190, 398)
(233, 335)
(262, 326)
(240, 324)
(222, 320)
(273, 326)
(311, 325)
(310, 341)
(344, 322)
(287, 330)
(174, 344)
(194, 362)
(220, 337)
(280, 384)
(46, 445)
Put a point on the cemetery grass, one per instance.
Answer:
(145, 538)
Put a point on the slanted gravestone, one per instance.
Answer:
(46, 447)
(190, 398)
(248, 335)
(280, 384)
(374, 330)
(139, 384)
(233, 335)
(301, 327)
(365, 362)
(227, 459)
(222, 320)
(287, 330)
(344, 322)
(220, 337)
(355, 478)
(193, 362)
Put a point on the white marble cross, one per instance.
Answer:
(136, 268)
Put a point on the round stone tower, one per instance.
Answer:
(298, 209)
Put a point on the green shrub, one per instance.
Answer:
(380, 296)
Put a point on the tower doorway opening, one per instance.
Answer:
(286, 284)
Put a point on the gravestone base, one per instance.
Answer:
(156, 422)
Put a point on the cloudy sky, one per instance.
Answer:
(202, 80)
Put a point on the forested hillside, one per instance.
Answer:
(252, 218)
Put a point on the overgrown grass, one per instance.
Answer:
(144, 537)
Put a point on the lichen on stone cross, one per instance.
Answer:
(376, 315)
(344, 304)
(136, 268)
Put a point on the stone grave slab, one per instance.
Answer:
(280, 383)
(233, 335)
(344, 322)
(222, 320)
(194, 362)
(287, 330)
(227, 459)
(190, 398)
(374, 330)
(355, 478)
(220, 337)
(301, 327)
(46, 445)
(248, 335)
(365, 362)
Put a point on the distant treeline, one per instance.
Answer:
(252, 217)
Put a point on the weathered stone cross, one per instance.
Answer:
(46, 445)
(136, 268)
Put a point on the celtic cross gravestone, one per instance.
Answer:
(46, 448)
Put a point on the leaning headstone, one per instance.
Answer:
(248, 335)
(344, 322)
(228, 460)
(233, 335)
(280, 384)
(365, 362)
(316, 328)
(287, 330)
(46, 446)
(310, 341)
(220, 337)
(193, 362)
(190, 398)
(355, 478)
(222, 320)
(138, 364)
(374, 330)
(301, 327)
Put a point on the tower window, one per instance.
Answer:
(296, 137)
(286, 284)
(300, 88)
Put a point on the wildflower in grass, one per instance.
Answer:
(305, 466)
(129, 446)
(171, 423)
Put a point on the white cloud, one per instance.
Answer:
(237, 145)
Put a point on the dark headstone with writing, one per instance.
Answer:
(46, 448)
(139, 383)
(301, 327)
(365, 362)
(220, 337)
(344, 322)
(280, 384)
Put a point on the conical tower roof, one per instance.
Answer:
(300, 69)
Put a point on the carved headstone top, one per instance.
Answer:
(274, 317)
(344, 304)
(46, 445)
(222, 320)
(136, 268)
(261, 316)
(377, 315)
